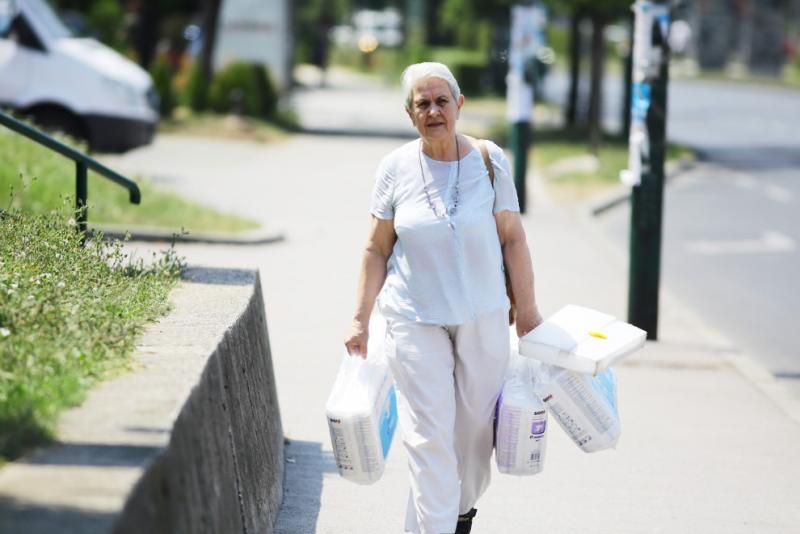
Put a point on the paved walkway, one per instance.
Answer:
(709, 442)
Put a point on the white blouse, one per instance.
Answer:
(449, 270)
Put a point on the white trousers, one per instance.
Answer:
(448, 379)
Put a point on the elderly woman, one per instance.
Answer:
(442, 231)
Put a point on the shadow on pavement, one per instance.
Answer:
(218, 276)
(757, 158)
(39, 519)
(306, 465)
(361, 132)
(94, 455)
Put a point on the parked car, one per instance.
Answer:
(75, 85)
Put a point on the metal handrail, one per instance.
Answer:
(82, 164)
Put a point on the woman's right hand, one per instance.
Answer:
(356, 340)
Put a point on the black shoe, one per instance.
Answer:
(464, 524)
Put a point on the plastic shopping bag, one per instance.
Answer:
(584, 405)
(362, 417)
(521, 433)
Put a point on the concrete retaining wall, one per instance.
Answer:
(199, 416)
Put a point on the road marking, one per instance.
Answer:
(770, 241)
(772, 192)
(778, 194)
(746, 182)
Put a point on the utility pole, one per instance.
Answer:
(646, 161)
(527, 23)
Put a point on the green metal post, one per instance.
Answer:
(81, 194)
(646, 211)
(519, 141)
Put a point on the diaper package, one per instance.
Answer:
(521, 431)
(362, 418)
(584, 405)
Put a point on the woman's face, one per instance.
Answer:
(434, 111)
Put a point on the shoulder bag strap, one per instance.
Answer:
(486, 161)
(512, 312)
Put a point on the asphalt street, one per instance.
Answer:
(732, 224)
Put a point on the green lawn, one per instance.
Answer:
(571, 171)
(40, 179)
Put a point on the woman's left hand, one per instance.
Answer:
(527, 321)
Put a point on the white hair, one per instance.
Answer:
(429, 69)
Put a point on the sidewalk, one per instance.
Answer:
(708, 445)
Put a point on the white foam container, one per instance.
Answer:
(521, 432)
(566, 340)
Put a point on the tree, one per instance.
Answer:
(206, 67)
(145, 32)
(600, 14)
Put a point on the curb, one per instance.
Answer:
(146, 234)
(622, 193)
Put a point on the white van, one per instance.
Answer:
(72, 84)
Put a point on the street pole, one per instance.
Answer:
(527, 23)
(648, 145)
(519, 141)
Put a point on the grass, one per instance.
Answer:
(186, 122)
(69, 316)
(572, 172)
(43, 178)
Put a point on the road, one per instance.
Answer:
(732, 224)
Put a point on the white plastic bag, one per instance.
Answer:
(362, 417)
(584, 406)
(521, 433)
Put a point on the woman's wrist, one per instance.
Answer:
(360, 319)
(530, 311)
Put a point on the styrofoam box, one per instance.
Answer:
(566, 340)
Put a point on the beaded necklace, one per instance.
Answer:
(447, 212)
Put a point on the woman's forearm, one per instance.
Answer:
(370, 282)
(518, 262)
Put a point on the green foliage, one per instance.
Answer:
(470, 22)
(195, 93)
(69, 316)
(106, 17)
(163, 75)
(608, 9)
(312, 20)
(558, 40)
(244, 88)
(41, 178)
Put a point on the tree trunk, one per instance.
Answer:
(627, 91)
(596, 95)
(574, 68)
(146, 36)
(210, 18)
